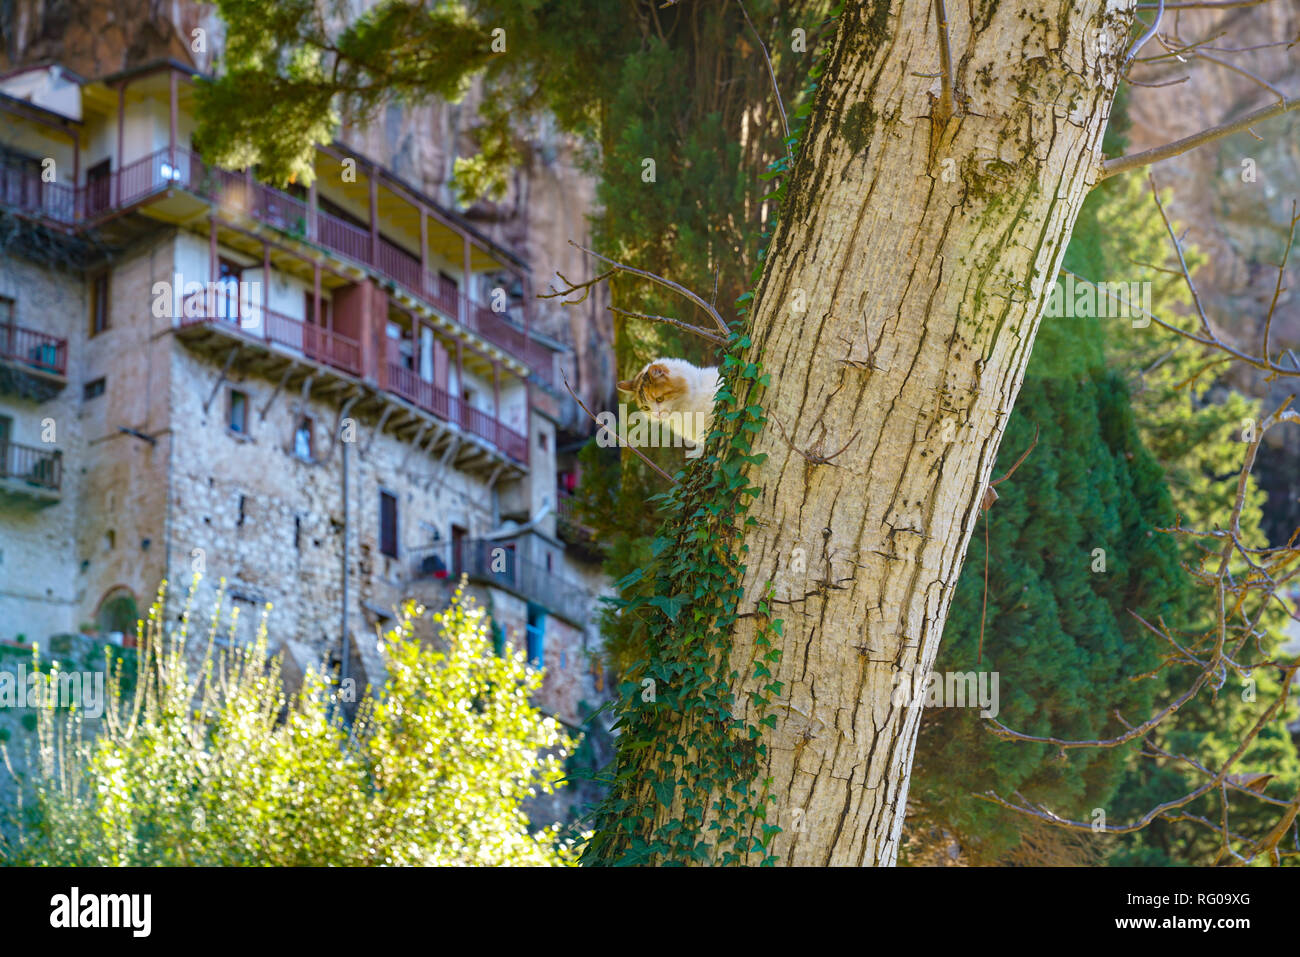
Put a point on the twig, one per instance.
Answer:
(582, 405)
(1277, 289)
(1205, 4)
(946, 107)
(653, 277)
(1125, 164)
(704, 333)
(1141, 41)
(586, 288)
(785, 124)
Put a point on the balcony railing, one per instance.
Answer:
(40, 467)
(431, 398)
(506, 564)
(24, 189)
(39, 350)
(182, 168)
(323, 345)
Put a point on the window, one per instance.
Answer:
(93, 389)
(535, 635)
(388, 523)
(99, 181)
(238, 412)
(228, 300)
(302, 439)
(99, 303)
(6, 312)
(458, 536)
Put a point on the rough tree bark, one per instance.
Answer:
(896, 312)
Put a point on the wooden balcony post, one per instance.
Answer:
(466, 301)
(525, 287)
(121, 136)
(496, 390)
(212, 263)
(459, 396)
(315, 293)
(374, 215)
(312, 204)
(266, 289)
(424, 252)
(171, 129)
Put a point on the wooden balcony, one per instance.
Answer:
(226, 315)
(165, 169)
(30, 476)
(33, 364)
(431, 398)
(279, 347)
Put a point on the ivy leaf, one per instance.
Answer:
(669, 605)
(631, 578)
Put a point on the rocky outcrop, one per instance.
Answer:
(547, 204)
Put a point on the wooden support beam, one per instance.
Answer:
(383, 420)
(338, 425)
(441, 473)
(288, 371)
(220, 379)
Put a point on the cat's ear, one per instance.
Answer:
(627, 385)
(657, 372)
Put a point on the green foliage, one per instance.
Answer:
(684, 786)
(1058, 632)
(288, 74)
(208, 763)
(1068, 637)
(1192, 425)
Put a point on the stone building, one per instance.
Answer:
(331, 397)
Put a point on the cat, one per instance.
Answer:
(678, 394)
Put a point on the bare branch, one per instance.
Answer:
(1125, 164)
(1141, 41)
(946, 107)
(653, 277)
(704, 333)
(776, 89)
(1281, 272)
(1205, 4)
(644, 458)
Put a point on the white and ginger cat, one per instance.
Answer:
(678, 394)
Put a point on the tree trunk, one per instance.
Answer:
(895, 316)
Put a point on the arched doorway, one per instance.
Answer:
(118, 612)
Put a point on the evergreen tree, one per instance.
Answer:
(1118, 235)
(1071, 551)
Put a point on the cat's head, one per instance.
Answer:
(656, 387)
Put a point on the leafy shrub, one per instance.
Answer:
(207, 761)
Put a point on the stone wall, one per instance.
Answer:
(40, 593)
